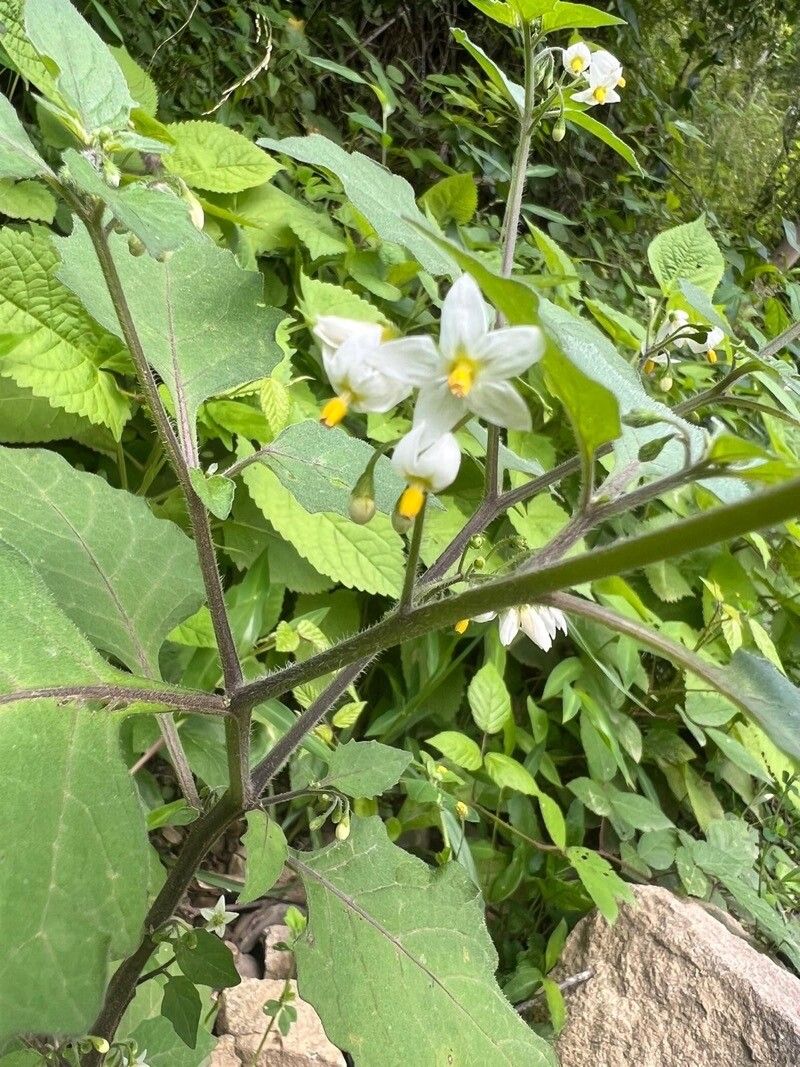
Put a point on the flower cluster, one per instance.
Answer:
(468, 372)
(537, 621)
(601, 70)
(678, 332)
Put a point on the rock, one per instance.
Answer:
(674, 987)
(240, 1015)
(277, 963)
(224, 1055)
(245, 964)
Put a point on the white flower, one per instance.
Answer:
(470, 370)
(138, 1062)
(217, 918)
(577, 58)
(604, 76)
(538, 622)
(707, 346)
(352, 354)
(427, 466)
(675, 329)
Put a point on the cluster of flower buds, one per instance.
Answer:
(466, 373)
(600, 70)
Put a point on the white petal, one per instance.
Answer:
(463, 321)
(415, 360)
(438, 410)
(560, 619)
(508, 352)
(434, 463)
(333, 330)
(535, 627)
(585, 96)
(406, 452)
(577, 51)
(509, 626)
(443, 458)
(500, 404)
(374, 391)
(605, 69)
(715, 337)
(487, 616)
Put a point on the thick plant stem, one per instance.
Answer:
(197, 513)
(122, 986)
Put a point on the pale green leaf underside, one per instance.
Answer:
(27, 200)
(29, 419)
(93, 544)
(73, 865)
(18, 157)
(385, 199)
(48, 343)
(368, 557)
(199, 315)
(374, 910)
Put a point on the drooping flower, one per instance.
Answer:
(577, 58)
(217, 918)
(427, 466)
(469, 372)
(353, 353)
(605, 77)
(677, 330)
(707, 346)
(537, 621)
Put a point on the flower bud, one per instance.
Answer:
(343, 829)
(478, 563)
(665, 384)
(136, 245)
(477, 541)
(559, 130)
(401, 524)
(362, 499)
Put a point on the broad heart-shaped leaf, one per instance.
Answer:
(210, 156)
(73, 848)
(18, 157)
(365, 768)
(27, 200)
(48, 343)
(321, 466)
(379, 917)
(29, 419)
(368, 557)
(89, 79)
(199, 316)
(564, 16)
(159, 219)
(687, 252)
(266, 849)
(385, 199)
(452, 199)
(123, 576)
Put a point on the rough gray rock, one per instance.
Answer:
(673, 987)
(240, 1015)
(278, 964)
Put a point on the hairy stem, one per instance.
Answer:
(412, 562)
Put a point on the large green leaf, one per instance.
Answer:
(89, 79)
(361, 557)
(125, 577)
(320, 468)
(27, 200)
(199, 315)
(73, 849)
(48, 343)
(604, 134)
(385, 199)
(365, 768)
(18, 157)
(687, 252)
(29, 419)
(564, 16)
(513, 91)
(376, 910)
(210, 156)
(21, 52)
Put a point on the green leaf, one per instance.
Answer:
(667, 582)
(321, 466)
(604, 134)
(361, 557)
(497, 10)
(565, 16)
(92, 544)
(158, 218)
(376, 910)
(48, 343)
(29, 419)
(276, 221)
(619, 326)
(215, 490)
(266, 850)
(557, 261)
(508, 773)
(736, 752)
(18, 157)
(182, 1006)
(27, 200)
(365, 768)
(459, 748)
(199, 315)
(325, 298)
(553, 819)
(385, 199)
(657, 848)
(639, 811)
(452, 199)
(762, 691)
(89, 78)
(206, 960)
(21, 52)
(689, 253)
(489, 700)
(600, 882)
(512, 91)
(142, 87)
(59, 935)
(210, 156)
